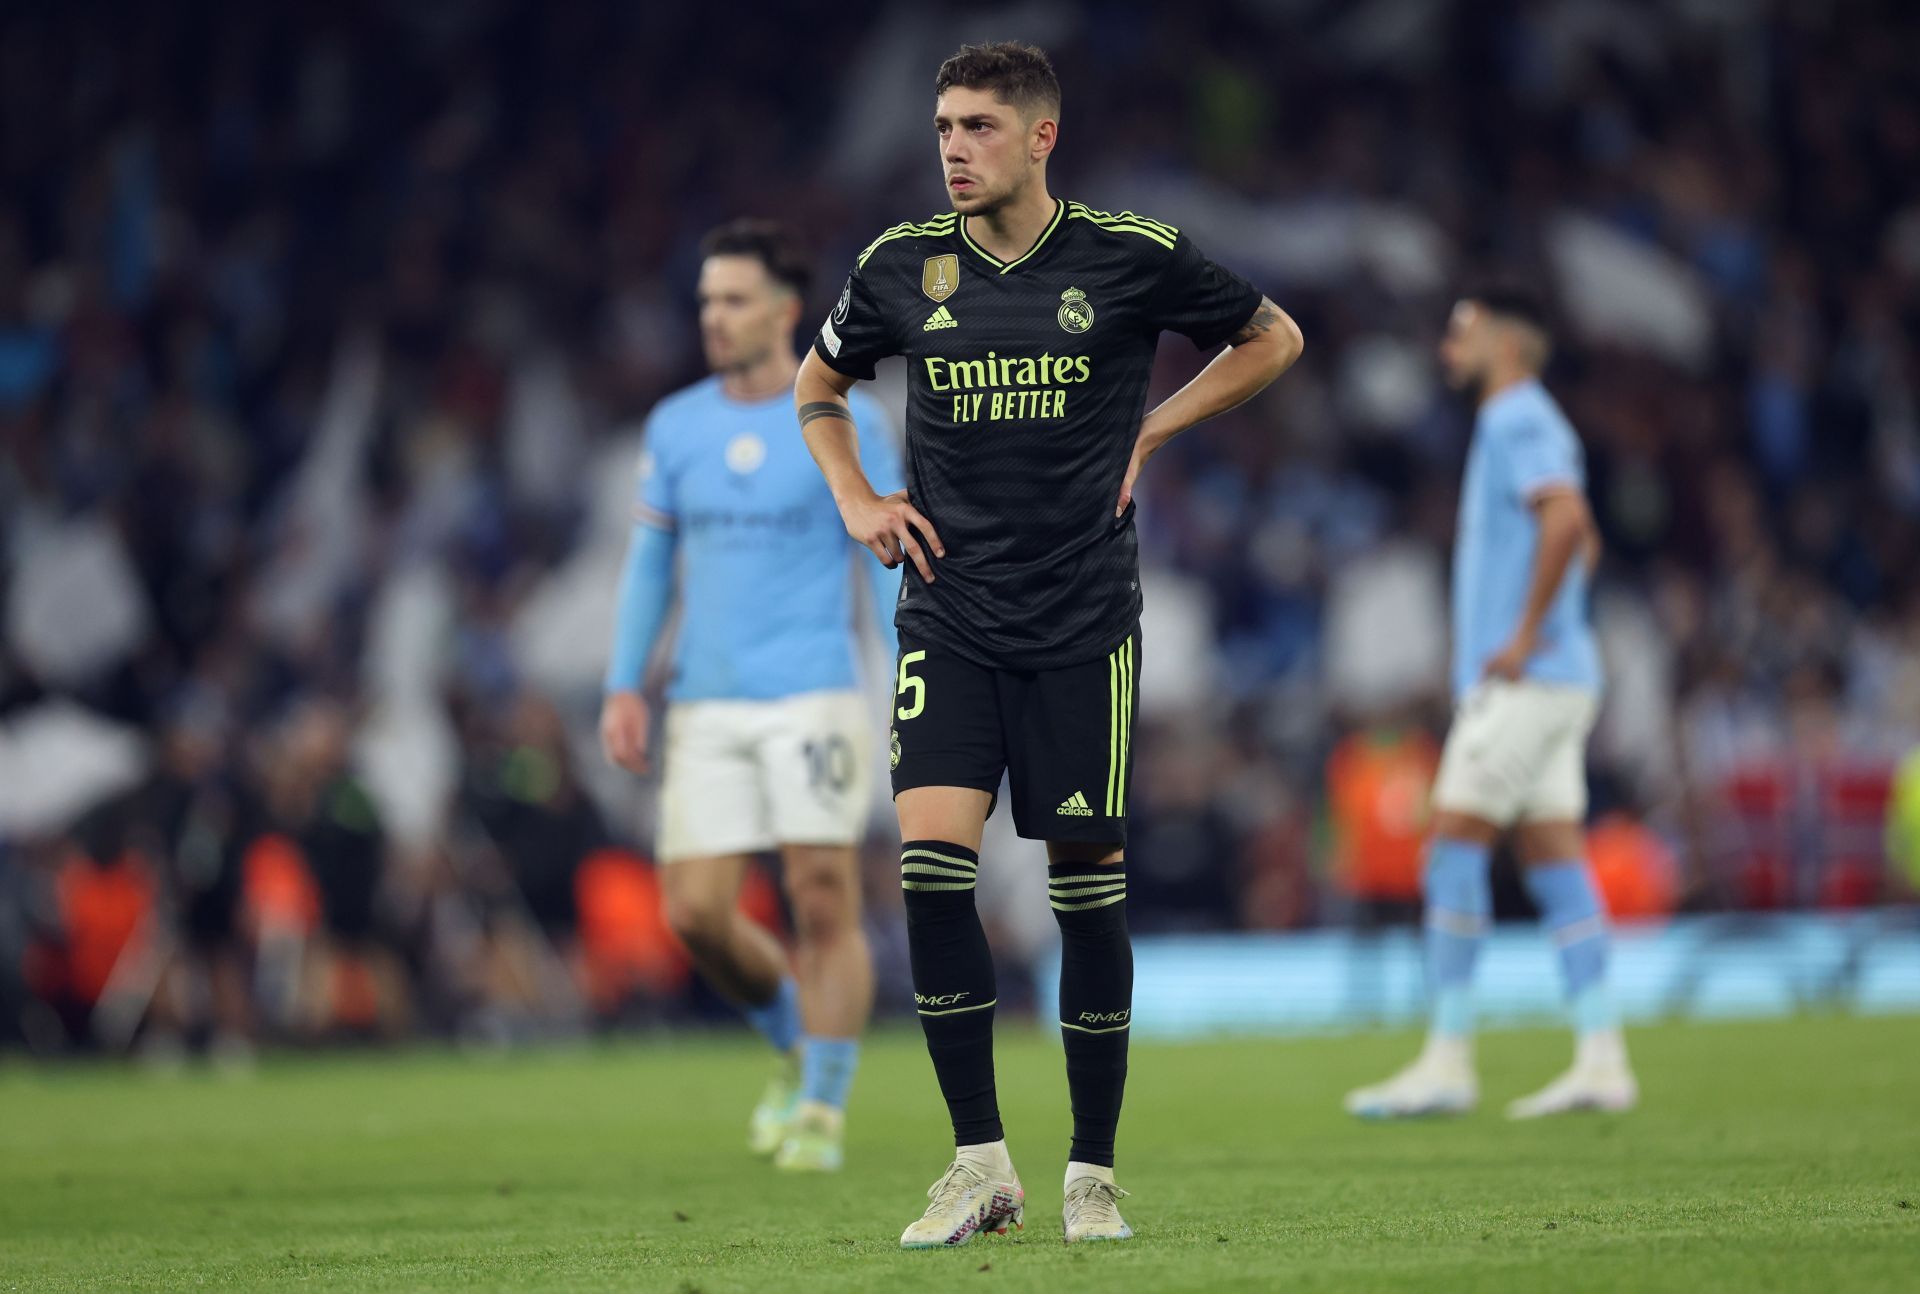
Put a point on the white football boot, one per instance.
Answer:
(767, 1126)
(1600, 1079)
(968, 1199)
(1440, 1081)
(815, 1140)
(1091, 1210)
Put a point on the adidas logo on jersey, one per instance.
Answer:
(1076, 806)
(939, 319)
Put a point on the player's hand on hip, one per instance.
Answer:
(1510, 662)
(1144, 446)
(624, 730)
(886, 524)
(1134, 464)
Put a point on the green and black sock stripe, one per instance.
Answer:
(1086, 888)
(1119, 725)
(947, 868)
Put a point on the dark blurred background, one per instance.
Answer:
(326, 333)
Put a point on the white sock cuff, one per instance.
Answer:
(1076, 1170)
(987, 1154)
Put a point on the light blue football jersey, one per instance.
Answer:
(765, 563)
(1522, 444)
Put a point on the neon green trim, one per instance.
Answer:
(1113, 725)
(1059, 214)
(1119, 226)
(958, 1009)
(1142, 230)
(1092, 876)
(1126, 720)
(1082, 907)
(982, 252)
(939, 858)
(1125, 217)
(933, 228)
(936, 871)
(1086, 891)
(1083, 1028)
(936, 886)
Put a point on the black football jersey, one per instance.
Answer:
(1026, 383)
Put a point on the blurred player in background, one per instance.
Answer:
(1030, 325)
(1526, 675)
(766, 734)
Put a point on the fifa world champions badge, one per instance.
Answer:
(940, 276)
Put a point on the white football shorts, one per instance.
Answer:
(747, 776)
(1517, 752)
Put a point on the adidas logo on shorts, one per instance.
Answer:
(939, 319)
(1076, 806)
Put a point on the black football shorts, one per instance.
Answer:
(1061, 736)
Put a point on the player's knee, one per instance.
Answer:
(1450, 824)
(698, 920)
(1086, 853)
(825, 901)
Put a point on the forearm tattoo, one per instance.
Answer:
(1265, 316)
(823, 409)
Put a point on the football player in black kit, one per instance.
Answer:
(1029, 326)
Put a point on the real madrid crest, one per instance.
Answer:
(940, 276)
(1076, 312)
(893, 743)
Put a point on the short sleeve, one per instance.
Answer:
(653, 501)
(1542, 452)
(1199, 299)
(879, 457)
(856, 334)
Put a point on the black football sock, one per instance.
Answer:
(1096, 998)
(952, 982)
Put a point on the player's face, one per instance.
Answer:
(744, 313)
(987, 152)
(1466, 349)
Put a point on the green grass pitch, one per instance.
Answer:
(1777, 1156)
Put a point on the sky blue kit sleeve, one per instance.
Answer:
(646, 578)
(880, 459)
(646, 587)
(1541, 449)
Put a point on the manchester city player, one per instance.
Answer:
(1526, 677)
(1029, 325)
(765, 734)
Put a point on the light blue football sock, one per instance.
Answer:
(1570, 908)
(1459, 909)
(779, 1020)
(826, 1069)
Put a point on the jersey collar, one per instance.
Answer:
(1059, 214)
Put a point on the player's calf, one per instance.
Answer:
(1088, 897)
(835, 973)
(953, 982)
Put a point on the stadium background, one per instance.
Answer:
(326, 336)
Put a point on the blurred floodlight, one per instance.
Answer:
(1617, 288)
(58, 760)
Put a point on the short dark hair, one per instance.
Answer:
(771, 243)
(1019, 75)
(1513, 302)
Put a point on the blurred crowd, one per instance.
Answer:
(326, 333)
